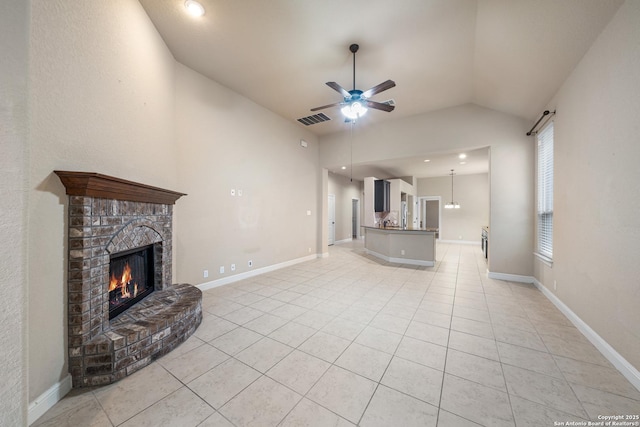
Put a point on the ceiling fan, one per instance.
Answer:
(356, 102)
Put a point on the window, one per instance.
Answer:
(545, 192)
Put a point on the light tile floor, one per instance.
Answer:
(350, 340)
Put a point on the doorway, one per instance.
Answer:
(430, 213)
(355, 218)
(331, 214)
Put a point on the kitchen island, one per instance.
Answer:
(403, 246)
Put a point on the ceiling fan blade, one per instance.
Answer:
(379, 106)
(378, 88)
(335, 86)
(335, 104)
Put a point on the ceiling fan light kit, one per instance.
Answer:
(354, 110)
(356, 103)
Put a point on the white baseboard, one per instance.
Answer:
(461, 242)
(247, 274)
(401, 260)
(616, 359)
(510, 277)
(46, 400)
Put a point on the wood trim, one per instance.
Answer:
(93, 184)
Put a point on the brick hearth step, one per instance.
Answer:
(148, 330)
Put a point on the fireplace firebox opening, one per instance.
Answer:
(131, 278)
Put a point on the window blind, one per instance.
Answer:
(545, 191)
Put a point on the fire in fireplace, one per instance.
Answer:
(131, 278)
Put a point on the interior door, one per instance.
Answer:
(332, 219)
(432, 214)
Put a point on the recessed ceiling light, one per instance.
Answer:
(463, 163)
(427, 161)
(344, 167)
(462, 156)
(194, 8)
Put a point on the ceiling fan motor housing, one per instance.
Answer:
(355, 95)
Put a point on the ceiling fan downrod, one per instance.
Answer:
(354, 48)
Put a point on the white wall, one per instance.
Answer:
(461, 128)
(472, 193)
(101, 100)
(369, 207)
(228, 142)
(345, 191)
(596, 194)
(14, 41)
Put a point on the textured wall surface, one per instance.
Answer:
(228, 142)
(102, 100)
(596, 194)
(13, 163)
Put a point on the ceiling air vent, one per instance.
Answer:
(312, 120)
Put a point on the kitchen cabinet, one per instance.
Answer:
(382, 197)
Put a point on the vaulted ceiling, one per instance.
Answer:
(507, 55)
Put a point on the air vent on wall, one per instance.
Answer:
(312, 120)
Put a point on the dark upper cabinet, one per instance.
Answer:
(382, 195)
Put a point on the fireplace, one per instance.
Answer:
(123, 309)
(131, 276)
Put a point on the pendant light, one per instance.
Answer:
(452, 204)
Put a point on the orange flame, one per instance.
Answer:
(123, 282)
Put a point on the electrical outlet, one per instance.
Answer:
(402, 252)
(250, 263)
(308, 213)
(222, 270)
(233, 192)
(233, 267)
(205, 274)
(309, 250)
(239, 193)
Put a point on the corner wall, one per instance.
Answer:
(14, 166)
(596, 195)
(101, 100)
(227, 142)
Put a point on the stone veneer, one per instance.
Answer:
(102, 351)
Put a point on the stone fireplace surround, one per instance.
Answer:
(107, 215)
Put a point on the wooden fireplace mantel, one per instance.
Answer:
(93, 184)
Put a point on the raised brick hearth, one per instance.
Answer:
(106, 216)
